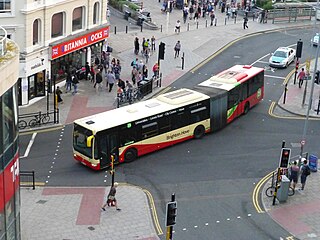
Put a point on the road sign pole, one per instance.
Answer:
(169, 235)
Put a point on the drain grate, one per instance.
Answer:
(42, 201)
(91, 228)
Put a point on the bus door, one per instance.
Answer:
(109, 146)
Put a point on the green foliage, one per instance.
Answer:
(265, 4)
(117, 4)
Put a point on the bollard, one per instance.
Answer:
(318, 109)
(188, 26)
(235, 20)
(285, 93)
(141, 27)
(215, 22)
(115, 29)
(253, 17)
(161, 28)
(225, 21)
(206, 23)
(197, 25)
(182, 59)
(126, 29)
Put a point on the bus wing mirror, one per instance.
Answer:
(89, 141)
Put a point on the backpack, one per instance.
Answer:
(306, 171)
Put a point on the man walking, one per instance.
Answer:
(110, 80)
(177, 49)
(245, 22)
(301, 76)
(111, 198)
(305, 172)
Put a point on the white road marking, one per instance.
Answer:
(29, 145)
(260, 59)
(271, 76)
(264, 62)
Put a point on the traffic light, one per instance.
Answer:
(317, 77)
(299, 49)
(171, 213)
(162, 47)
(284, 157)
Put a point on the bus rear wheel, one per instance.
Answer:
(199, 132)
(246, 108)
(130, 155)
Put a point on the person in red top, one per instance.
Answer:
(155, 70)
(301, 77)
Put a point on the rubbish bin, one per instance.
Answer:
(145, 86)
(127, 14)
(282, 193)
(140, 21)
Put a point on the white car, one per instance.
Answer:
(315, 39)
(282, 57)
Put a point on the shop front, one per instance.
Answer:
(31, 83)
(73, 53)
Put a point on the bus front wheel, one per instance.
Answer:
(199, 132)
(130, 155)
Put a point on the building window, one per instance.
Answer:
(96, 13)
(77, 19)
(36, 32)
(5, 6)
(57, 25)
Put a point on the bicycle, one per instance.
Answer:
(270, 190)
(39, 119)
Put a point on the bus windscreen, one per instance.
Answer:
(80, 136)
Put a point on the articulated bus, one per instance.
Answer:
(134, 130)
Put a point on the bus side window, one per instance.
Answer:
(245, 90)
(102, 144)
(164, 125)
(234, 97)
(179, 120)
(149, 130)
(127, 136)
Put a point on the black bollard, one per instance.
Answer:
(141, 26)
(161, 28)
(197, 25)
(206, 23)
(115, 29)
(285, 93)
(182, 59)
(318, 109)
(126, 29)
(188, 26)
(215, 22)
(235, 20)
(225, 21)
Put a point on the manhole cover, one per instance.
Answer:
(91, 228)
(42, 201)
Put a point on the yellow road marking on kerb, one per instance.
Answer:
(256, 190)
(30, 184)
(154, 212)
(221, 50)
(272, 106)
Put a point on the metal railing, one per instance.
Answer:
(37, 119)
(27, 179)
(291, 14)
(3, 41)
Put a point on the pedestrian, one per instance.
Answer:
(92, 73)
(301, 77)
(134, 62)
(294, 172)
(110, 80)
(262, 15)
(145, 72)
(245, 22)
(153, 44)
(177, 27)
(147, 54)
(117, 70)
(305, 172)
(177, 49)
(185, 12)
(87, 67)
(75, 82)
(108, 13)
(121, 84)
(212, 17)
(136, 46)
(134, 75)
(155, 70)
(98, 80)
(140, 65)
(111, 198)
(191, 11)
(58, 93)
(68, 82)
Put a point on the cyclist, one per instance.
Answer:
(129, 90)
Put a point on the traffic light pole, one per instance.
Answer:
(278, 175)
(112, 170)
(169, 235)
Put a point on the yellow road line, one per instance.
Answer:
(256, 190)
(30, 183)
(154, 212)
(272, 106)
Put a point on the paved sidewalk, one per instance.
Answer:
(74, 213)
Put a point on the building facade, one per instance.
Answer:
(54, 36)
(9, 162)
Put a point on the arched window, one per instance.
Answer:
(96, 13)
(57, 23)
(36, 32)
(77, 18)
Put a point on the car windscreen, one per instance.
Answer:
(280, 54)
